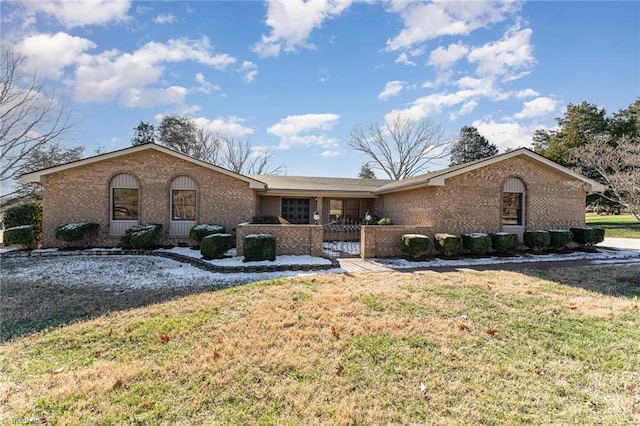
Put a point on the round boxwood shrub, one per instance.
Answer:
(24, 236)
(259, 247)
(476, 243)
(76, 232)
(140, 236)
(447, 244)
(536, 240)
(214, 246)
(586, 236)
(415, 245)
(504, 242)
(198, 232)
(560, 238)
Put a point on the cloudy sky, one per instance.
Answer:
(294, 77)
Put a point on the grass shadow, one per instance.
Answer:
(31, 304)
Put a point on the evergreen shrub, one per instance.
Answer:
(259, 247)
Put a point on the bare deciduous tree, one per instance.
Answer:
(401, 148)
(619, 165)
(241, 157)
(31, 117)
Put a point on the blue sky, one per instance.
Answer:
(295, 77)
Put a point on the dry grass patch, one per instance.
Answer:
(400, 348)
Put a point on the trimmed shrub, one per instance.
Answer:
(268, 219)
(415, 245)
(536, 240)
(447, 244)
(74, 232)
(374, 220)
(23, 235)
(586, 236)
(385, 221)
(477, 243)
(140, 236)
(560, 238)
(23, 225)
(259, 247)
(503, 242)
(198, 232)
(213, 246)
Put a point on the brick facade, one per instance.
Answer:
(471, 202)
(290, 239)
(83, 194)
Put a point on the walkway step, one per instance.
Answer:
(357, 265)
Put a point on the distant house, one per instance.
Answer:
(149, 183)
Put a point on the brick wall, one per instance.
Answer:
(82, 194)
(386, 241)
(471, 202)
(290, 239)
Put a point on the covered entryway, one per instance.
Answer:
(513, 206)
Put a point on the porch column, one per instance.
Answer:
(319, 209)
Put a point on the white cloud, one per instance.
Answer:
(537, 107)
(73, 13)
(403, 58)
(231, 126)
(204, 86)
(133, 97)
(425, 106)
(507, 134)
(445, 57)
(510, 55)
(250, 71)
(526, 93)
(165, 18)
(331, 153)
(292, 21)
(50, 53)
(466, 108)
(426, 21)
(392, 88)
(112, 74)
(304, 130)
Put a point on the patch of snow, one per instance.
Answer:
(19, 227)
(477, 235)
(238, 260)
(415, 236)
(208, 227)
(602, 254)
(122, 273)
(47, 250)
(259, 236)
(7, 249)
(72, 226)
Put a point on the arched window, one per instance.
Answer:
(124, 206)
(513, 202)
(183, 205)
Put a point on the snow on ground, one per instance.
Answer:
(237, 260)
(128, 272)
(602, 255)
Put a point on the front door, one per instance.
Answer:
(296, 210)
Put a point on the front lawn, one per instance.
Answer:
(542, 346)
(616, 226)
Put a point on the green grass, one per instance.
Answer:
(548, 346)
(616, 226)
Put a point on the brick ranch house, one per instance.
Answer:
(149, 183)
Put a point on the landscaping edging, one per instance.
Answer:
(198, 263)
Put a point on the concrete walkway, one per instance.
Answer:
(621, 243)
(358, 265)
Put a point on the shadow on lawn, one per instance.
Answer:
(30, 306)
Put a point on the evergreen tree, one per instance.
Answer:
(470, 146)
(366, 172)
(144, 133)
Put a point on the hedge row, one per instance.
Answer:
(417, 245)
